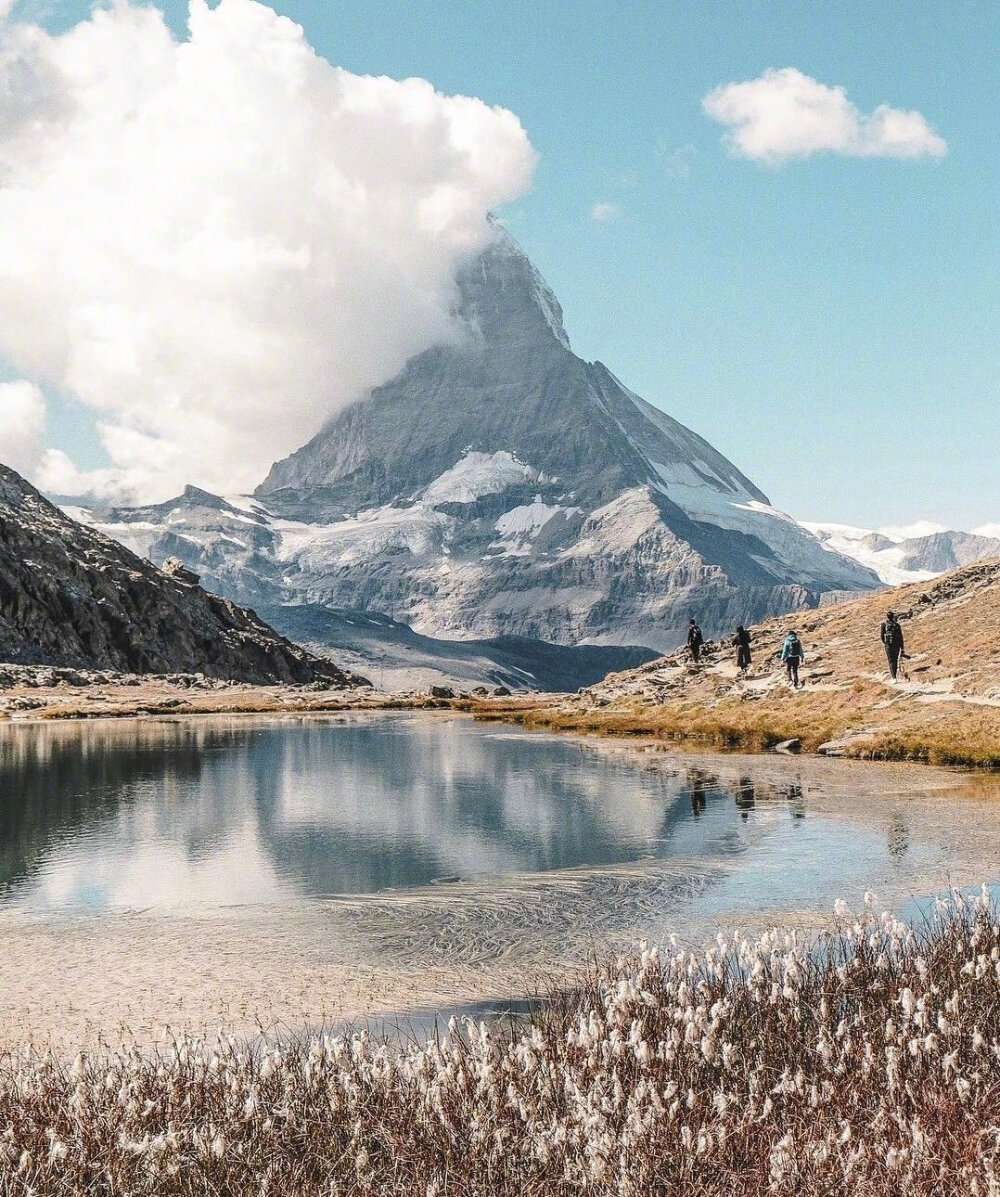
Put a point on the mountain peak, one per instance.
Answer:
(502, 286)
(499, 485)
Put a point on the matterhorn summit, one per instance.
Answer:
(502, 486)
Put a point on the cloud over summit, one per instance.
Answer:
(22, 425)
(214, 243)
(785, 114)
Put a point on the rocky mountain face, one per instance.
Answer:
(502, 486)
(899, 560)
(71, 596)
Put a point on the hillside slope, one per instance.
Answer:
(946, 708)
(72, 596)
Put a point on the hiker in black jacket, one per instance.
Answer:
(741, 642)
(695, 640)
(892, 637)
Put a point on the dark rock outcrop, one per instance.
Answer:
(71, 596)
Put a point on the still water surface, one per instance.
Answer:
(222, 812)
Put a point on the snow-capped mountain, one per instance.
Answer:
(914, 554)
(501, 485)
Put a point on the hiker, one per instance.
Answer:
(892, 638)
(792, 653)
(695, 640)
(741, 642)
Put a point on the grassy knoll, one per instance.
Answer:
(944, 708)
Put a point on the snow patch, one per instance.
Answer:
(794, 546)
(138, 538)
(528, 520)
(476, 475)
(520, 526)
(418, 530)
(618, 525)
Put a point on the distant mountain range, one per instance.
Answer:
(501, 487)
(901, 557)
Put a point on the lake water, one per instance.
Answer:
(210, 814)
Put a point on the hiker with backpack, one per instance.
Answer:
(891, 634)
(695, 640)
(793, 654)
(741, 642)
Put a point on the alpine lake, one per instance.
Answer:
(261, 871)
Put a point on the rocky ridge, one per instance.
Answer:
(899, 559)
(72, 597)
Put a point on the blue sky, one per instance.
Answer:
(831, 323)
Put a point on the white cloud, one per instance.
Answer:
(605, 212)
(786, 114)
(912, 531)
(216, 243)
(678, 161)
(22, 426)
(992, 530)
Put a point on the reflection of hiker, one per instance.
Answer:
(741, 642)
(695, 640)
(892, 638)
(793, 654)
(746, 797)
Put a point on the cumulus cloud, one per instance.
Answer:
(604, 212)
(22, 426)
(786, 114)
(992, 530)
(214, 243)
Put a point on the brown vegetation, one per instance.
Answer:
(945, 709)
(869, 1064)
(153, 695)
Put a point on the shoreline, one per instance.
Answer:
(810, 732)
(948, 732)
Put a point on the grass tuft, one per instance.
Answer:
(868, 1063)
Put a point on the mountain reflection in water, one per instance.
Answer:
(222, 811)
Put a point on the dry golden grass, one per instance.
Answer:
(945, 711)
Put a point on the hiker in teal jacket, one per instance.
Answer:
(792, 653)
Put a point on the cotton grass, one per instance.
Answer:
(867, 1063)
